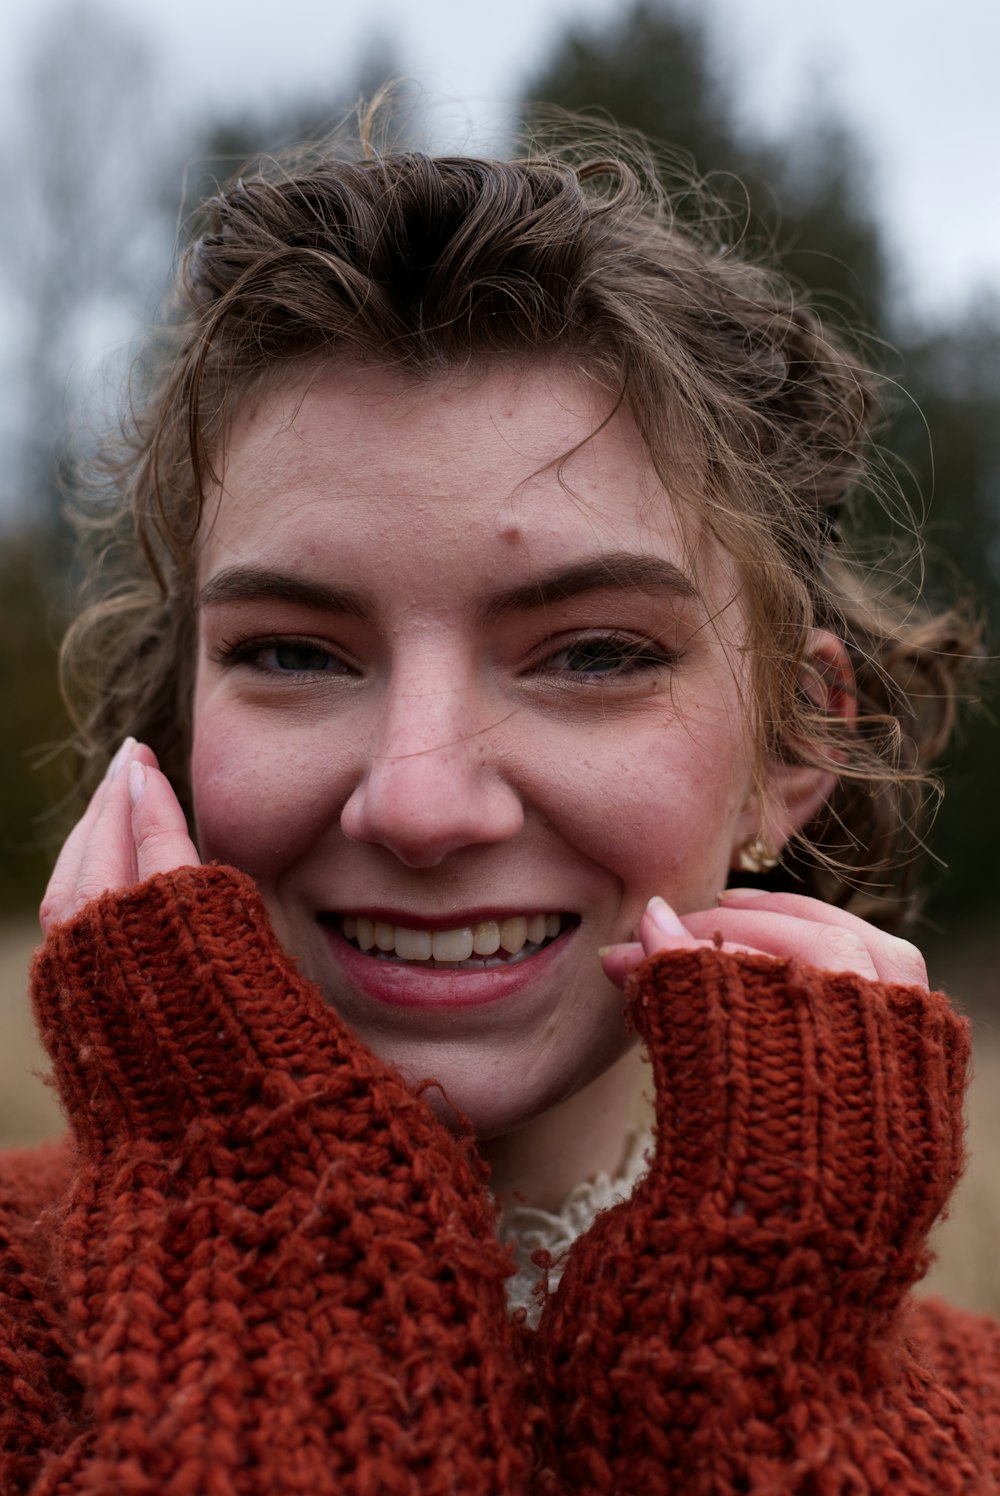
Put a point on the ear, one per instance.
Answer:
(794, 792)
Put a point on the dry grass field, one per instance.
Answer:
(28, 1108)
(967, 1271)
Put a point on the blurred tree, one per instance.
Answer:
(77, 227)
(222, 145)
(653, 68)
(75, 243)
(806, 197)
(947, 433)
(650, 68)
(33, 775)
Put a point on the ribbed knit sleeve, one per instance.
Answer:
(279, 1272)
(736, 1325)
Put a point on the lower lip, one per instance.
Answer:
(410, 985)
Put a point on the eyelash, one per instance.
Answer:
(248, 651)
(635, 655)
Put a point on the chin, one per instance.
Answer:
(464, 1106)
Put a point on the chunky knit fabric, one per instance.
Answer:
(260, 1265)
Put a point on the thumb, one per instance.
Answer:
(159, 829)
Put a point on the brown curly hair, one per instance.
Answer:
(426, 265)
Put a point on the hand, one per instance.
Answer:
(132, 828)
(755, 922)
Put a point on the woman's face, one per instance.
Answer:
(452, 691)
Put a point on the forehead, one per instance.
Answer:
(514, 467)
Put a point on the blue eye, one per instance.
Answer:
(301, 657)
(604, 655)
(282, 657)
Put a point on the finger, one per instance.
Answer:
(158, 827)
(830, 947)
(100, 852)
(658, 922)
(63, 878)
(59, 893)
(661, 929)
(619, 961)
(799, 904)
(895, 960)
(108, 860)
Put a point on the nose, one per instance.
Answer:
(435, 780)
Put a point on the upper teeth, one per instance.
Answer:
(484, 939)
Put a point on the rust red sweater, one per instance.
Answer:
(260, 1265)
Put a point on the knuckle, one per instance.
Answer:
(847, 946)
(158, 848)
(56, 905)
(48, 912)
(151, 837)
(86, 889)
(909, 961)
(144, 833)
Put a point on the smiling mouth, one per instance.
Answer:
(479, 947)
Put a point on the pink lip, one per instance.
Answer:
(411, 985)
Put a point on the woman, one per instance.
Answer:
(483, 610)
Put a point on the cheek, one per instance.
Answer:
(663, 813)
(261, 801)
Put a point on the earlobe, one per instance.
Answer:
(796, 791)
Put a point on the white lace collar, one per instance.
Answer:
(529, 1230)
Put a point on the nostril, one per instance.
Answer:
(423, 812)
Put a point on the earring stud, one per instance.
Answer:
(756, 855)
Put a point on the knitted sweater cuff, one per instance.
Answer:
(803, 1108)
(173, 998)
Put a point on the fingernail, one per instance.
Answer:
(115, 766)
(742, 893)
(136, 781)
(604, 950)
(663, 916)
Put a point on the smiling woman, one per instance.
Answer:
(382, 733)
(485, 614)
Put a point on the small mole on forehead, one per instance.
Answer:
(512, 534)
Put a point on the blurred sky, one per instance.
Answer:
(918, 80)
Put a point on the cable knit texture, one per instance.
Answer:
(260, 1264)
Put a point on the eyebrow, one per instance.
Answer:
(617, 571)
(258, 584)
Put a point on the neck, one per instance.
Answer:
(580, 1137)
